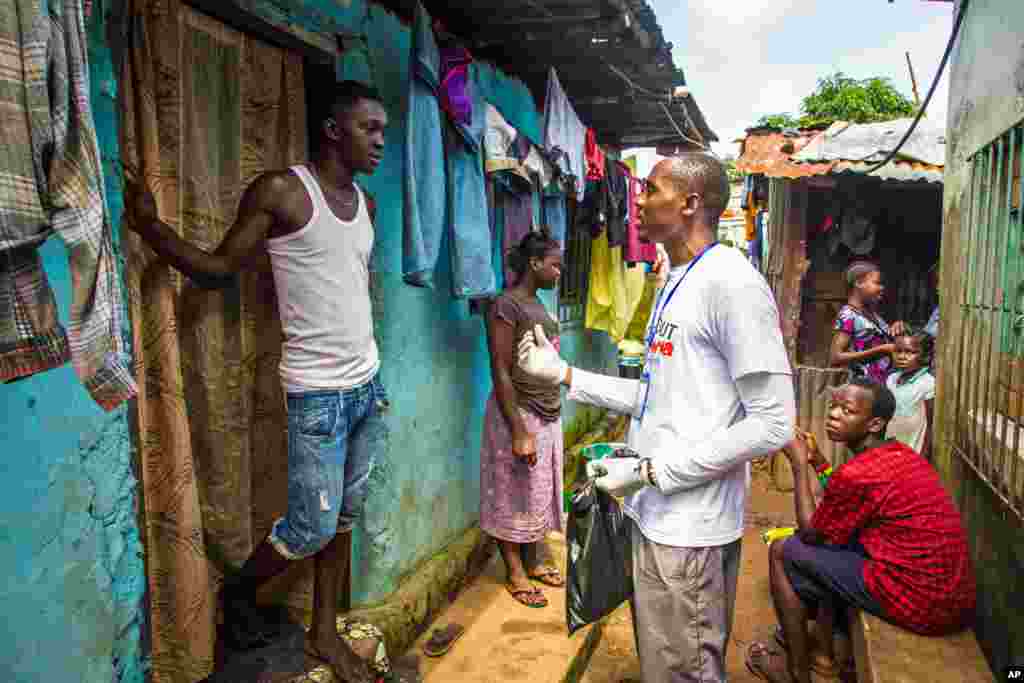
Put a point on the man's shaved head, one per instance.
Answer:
(698, 173)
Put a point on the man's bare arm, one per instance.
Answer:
(256, 215)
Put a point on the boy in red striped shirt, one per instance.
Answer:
(886, 538)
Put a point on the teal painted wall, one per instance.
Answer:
(69, 544)
(425, 490)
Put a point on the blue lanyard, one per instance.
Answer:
(659, 307)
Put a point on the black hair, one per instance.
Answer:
(707, 171)
(925, 341)
(342, 97)
(535, 245)
(883, 403)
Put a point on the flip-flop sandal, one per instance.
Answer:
(826, 668)
(549, 576)
(442, 639)
(757, 670)
(518, 594)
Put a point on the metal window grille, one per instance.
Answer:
(572, 291)
(989, 402)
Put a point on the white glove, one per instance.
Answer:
(618, 476)
(539, 358)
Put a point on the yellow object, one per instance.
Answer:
(777, 534)
(615, 290)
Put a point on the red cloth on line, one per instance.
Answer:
(594, 155)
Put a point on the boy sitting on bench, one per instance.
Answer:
(886, 538)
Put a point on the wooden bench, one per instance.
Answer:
(889, 654)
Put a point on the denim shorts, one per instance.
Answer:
(333, 439)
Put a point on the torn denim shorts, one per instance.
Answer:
(333, 439)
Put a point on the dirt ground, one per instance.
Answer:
(615, 660)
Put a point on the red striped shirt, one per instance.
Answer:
(892, 501)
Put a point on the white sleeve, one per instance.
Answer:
(614, 393)
(747, 328)
(767, 426)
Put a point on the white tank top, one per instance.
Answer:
(323, 295)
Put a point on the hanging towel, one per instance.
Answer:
(564, 133)
(53, 184)
(468, 214)
(424, 185)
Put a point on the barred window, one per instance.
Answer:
(989, 372)
(573, 285)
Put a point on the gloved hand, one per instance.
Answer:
(619, 476)
(539, 358)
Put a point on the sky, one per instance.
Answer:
(746, 58)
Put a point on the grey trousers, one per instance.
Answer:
(683, 608)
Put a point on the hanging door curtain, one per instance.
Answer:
(52, 184)
(205, 110)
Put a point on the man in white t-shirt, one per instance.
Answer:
(717, 391)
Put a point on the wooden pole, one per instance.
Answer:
(913, 82)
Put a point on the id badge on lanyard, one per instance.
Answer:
(654, 359)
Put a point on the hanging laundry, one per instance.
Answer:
(468, 223)
(618, 201)
(504, 148)
(424, 187)
(592, 212)
(455, 97)
(614, 292)
(514, 195)
(564, 133)
(595, 157)
(50, 160)
(554, 212)
(636, 251)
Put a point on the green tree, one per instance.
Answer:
(782, 120)
(841, 98)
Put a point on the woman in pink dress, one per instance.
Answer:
(521, 456)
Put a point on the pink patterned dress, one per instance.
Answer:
(518, 502)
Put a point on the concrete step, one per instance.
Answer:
(506, 641)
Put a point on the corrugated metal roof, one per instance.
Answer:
(846, 148)
(769, 153)
(905, 171)
(611, 57)
(872, 141)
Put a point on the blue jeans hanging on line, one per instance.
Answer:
(468, 213)
(424, 182)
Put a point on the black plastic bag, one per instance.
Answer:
(600, 558)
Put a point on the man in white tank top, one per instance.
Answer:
(317, 226)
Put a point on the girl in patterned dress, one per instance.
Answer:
(521, 456)
(863, 341)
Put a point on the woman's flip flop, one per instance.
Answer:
(531, 597)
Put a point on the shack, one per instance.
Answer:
(822, 211)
